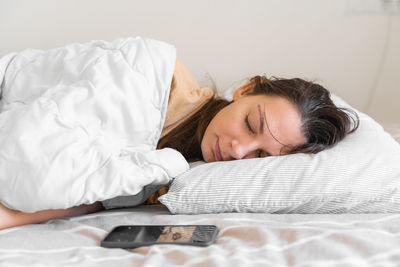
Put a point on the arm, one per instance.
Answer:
(11, 218)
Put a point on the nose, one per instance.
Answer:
(243, 149)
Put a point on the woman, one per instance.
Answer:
(267, 117)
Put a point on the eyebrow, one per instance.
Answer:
(261, 119)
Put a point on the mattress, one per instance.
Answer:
(244, 240)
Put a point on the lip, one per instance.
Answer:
(217, 151)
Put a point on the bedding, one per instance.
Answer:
(245, 239)
(80, 123)
(360, 174)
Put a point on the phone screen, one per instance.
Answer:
(139, 235)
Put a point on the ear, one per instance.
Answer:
(243, 90)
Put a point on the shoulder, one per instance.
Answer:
(183, 78)
(186, 96)
(185, 88)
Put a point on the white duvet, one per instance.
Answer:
(80, 123)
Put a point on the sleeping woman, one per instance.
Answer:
(267, 117)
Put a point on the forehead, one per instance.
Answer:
(282, 120)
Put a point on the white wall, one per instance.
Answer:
(351, 47)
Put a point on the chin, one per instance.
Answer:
(205, 158)
(210, 157)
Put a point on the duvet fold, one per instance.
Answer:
(80, 124)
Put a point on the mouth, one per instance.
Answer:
(217, 151)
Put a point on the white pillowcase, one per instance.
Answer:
(361, 174)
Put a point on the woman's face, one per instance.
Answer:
(252, 126)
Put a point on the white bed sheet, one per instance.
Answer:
(244, 240)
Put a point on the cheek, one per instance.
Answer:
(224, 125)
(229, 129)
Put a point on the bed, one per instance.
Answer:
(245, 239)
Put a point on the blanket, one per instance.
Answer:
(80, 123)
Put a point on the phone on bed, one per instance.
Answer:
(133, 236)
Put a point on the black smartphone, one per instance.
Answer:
(133, 236)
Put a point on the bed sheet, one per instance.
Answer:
(244, 240)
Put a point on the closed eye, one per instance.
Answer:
(248, 124)
(260, 153)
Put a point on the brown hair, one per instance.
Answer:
(187, 136)
(323, 123)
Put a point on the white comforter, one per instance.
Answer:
(80, 123)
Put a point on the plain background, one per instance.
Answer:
(352, 47)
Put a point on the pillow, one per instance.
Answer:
(361, 174)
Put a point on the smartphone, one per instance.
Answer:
(133, 236)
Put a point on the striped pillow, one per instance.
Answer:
(361, 174)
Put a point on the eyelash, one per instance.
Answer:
(248, 125)
(253, 132)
